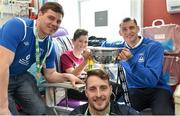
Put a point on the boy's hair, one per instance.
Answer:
(54, 6)
(99, 73)
(79, 32)
(128, 19)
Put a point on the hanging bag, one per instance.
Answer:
(167, 34)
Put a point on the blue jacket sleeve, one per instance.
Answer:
(116, 44)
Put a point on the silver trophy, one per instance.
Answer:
(102, 55)
(105, 58)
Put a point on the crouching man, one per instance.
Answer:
(98, 91)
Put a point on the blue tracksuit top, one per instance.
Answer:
(18, 36)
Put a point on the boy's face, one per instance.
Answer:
(98, 92)
(49, 22)
(81, 43)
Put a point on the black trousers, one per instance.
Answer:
(158, 99)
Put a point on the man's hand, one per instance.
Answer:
(125, 54)
(74, 80)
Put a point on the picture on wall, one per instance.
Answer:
(101, 18)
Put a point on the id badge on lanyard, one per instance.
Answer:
(39, 63)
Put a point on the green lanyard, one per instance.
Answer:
(39, 64)
(107, 114)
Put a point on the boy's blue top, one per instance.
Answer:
(19, 37)
(145, 68)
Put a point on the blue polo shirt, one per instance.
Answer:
(18, 35)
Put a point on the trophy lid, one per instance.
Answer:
(103, 48)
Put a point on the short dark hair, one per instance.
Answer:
(128, 19)
(99, 73)
(79, 32)
(54, 6)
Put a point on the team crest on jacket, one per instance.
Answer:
(141, 57)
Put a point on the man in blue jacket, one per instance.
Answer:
(142, 59)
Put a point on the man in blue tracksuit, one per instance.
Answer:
(142, 59)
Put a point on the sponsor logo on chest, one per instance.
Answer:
(25, 61)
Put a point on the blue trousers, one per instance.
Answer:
(23, 89)
(159, 100)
